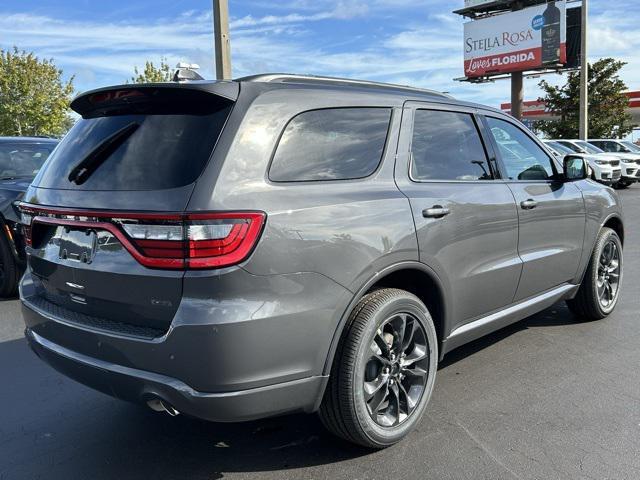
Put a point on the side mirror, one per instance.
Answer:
(575, 168)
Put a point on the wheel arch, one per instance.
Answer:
(615, 223)
(414, 277)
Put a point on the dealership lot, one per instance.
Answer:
(549, 397)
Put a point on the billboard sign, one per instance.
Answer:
(516, 41)
(477, 3)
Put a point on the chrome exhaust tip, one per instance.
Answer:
(159, 405)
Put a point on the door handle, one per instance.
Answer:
(528, 204)
(437, 211)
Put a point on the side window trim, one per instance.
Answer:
(473, 113)
(491, 149)
(500, 160)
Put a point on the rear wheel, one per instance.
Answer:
(384, 370)
(600, 289)
(9, 271)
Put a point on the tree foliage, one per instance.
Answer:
(607, 103)
(34, 99)
(152, 73)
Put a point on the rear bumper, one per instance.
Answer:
(139, 386)
(240, 346)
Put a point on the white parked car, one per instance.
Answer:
(628, 165)
(604, 169)
(628, 151)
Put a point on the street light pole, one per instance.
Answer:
(584, 76)
(222, 42)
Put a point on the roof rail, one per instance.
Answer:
(294, 78)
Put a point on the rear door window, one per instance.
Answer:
(447, 146)
(331, 144)
(164, 143)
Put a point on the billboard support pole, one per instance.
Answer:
(517, 84)
(584, 76)
(517, 95)
(222, 43)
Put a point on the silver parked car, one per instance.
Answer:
(235, 250)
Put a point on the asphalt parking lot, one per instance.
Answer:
(548, 398)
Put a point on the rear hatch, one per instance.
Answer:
(104, 219)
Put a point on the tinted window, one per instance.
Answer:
(23, 159)
(523, 159)
(161, 148)
(331, 144)
(447, 146)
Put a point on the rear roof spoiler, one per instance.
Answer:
(226, 89)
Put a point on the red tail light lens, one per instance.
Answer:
(174, 241)
(222, 239)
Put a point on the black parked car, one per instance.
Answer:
(20, 160)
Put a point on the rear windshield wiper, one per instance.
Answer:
(83, 170)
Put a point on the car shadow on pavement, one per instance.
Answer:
(44, 415)
(556, 315)
(94, 436)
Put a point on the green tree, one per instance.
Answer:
(608, 117)
(34, 99)
(153, 74)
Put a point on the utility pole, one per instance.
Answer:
(517, 83)
(584, 76)
(222, 42)
(517, 95)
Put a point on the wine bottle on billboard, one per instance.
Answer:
(551, 34)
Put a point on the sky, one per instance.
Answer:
(416, 43)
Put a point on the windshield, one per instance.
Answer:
(632, 147)
(558, 147)
(571, 146)
(588, 147)
(23, 159)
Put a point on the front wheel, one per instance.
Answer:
(600, 288)
(384, 370)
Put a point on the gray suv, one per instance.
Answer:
(279, 243)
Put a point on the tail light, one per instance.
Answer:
(174, 241)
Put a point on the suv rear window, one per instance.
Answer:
(331, 144)
(159, 143)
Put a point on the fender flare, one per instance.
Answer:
(602, 224)
(404, 265)
(618, 217)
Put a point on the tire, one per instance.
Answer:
(621, 185)
(589, 302)
(9, 271)
(375, 324)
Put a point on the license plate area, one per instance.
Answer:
(77, 245)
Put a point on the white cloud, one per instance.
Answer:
(423, 51)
